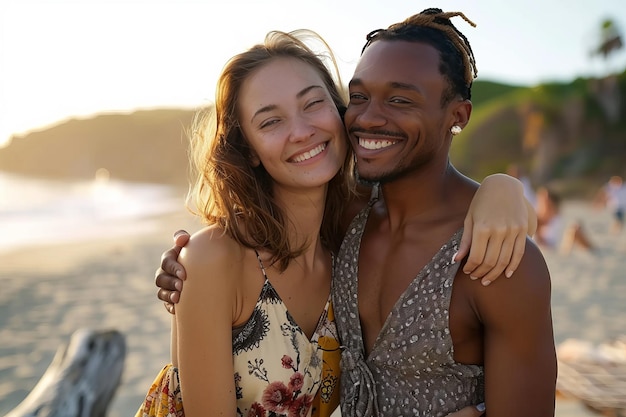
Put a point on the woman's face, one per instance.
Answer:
(292, 124)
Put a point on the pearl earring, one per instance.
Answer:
(455, 130)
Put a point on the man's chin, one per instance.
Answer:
(365, 179)
(371, 179)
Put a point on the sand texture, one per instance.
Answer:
(49, 292)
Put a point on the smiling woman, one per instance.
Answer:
(255, 333)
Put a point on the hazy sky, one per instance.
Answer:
(73, 58)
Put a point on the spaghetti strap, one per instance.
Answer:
(258, 257)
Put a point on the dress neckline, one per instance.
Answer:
(267, 286)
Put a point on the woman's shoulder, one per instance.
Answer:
(211, 250)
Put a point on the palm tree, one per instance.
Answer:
(610, 39)
(606, 89)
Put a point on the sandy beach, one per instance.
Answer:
(48, 292)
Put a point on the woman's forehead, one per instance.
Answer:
(282, 79)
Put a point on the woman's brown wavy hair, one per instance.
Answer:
(228, 191)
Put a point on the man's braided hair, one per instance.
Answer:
(433, 26)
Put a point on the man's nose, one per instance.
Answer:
(370, 115)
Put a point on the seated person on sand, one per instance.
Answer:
(552, 232)
(518, 172)
(612, 195)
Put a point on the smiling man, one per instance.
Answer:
(420, 338)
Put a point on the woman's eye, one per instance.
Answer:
(268, 123)
(313, 103)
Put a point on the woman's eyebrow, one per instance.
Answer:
(271, 107)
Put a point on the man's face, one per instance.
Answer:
(395, 118)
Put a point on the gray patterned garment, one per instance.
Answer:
(411, 370)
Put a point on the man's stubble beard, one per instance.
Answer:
(392, 175)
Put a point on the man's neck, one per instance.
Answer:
(424, 197)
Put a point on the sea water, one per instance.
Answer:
(41, 211)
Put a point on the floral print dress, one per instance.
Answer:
(278, 370)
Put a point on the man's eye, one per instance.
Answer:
(356, 96)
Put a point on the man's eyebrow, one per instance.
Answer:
(405, 86)
(355, 81)
(271, 107)
(393, 84)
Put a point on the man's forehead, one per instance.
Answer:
(396, 58)
(398, 49)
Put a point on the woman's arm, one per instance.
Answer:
(174, 343)
(496, 226)
(204, 317)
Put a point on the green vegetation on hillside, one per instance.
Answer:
(144, 146)
(572, 135)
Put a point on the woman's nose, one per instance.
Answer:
(301, 129)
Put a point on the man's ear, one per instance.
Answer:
(461, 112)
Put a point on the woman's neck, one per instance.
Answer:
(304, 213)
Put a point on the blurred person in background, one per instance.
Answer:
(518, 172)
(552, 230)
(612, 195)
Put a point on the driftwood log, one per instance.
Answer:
(81, 380)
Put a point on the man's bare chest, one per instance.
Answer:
(384, 274)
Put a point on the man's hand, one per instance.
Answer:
(471, 411)
(170, 276)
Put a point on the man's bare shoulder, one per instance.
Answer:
(526, 293)
(532, 272)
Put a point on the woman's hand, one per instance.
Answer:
(497, 223)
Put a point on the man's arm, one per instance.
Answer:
(519, 352)
(495, 231)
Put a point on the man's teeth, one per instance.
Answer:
(375, 144)
(310, 154)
